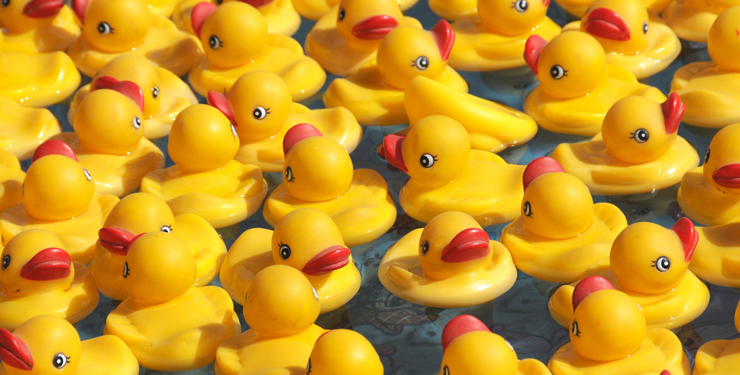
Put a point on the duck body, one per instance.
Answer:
(29, 29)
(578, 8)
(315, 9)
(359, 356)
(37, 80)
(25, 128)
(692, 19)
(453, 9)
(280, 15)
(718, 356)
(12, 177)
(716, 256)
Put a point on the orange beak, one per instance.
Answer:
(392, 151)
(470, 244)
(43, 8)
(48, 264)
(606, 23)
(331, 259)
(14, 352)
(374, 28)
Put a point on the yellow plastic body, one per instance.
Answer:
(692, 19)
(24, 129)
(11, 180)
(280, 15)
(719, 357)
(454, 9)
(717, 256)
(478, 352)
(341, 351)
(578, 7)
(36, 35)
(162, 8)
(37, 80)
(315, 9)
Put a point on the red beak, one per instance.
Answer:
(48, 264)
(219, 101)
(374, 28)
(54, 147)
(14, 352)
(298, 133)
(470, 244)
(685, 230)
(258, 3)
(117, 240)
(445, 38)
(546, 2)
(79, 6)
(532, 49)
(673, 109)
(328, 260)
(199, 14)
(459, 326)
(587, 286)
(606, 23)
(392, 151)
(43, 8)
(538, 167)
(665, 372)
(727, 176)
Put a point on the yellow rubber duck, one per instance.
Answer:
(315, 9)
(142, 213)
(167, 323)
(706, 87)
(608, 335)
(38, 277)
(49, 345)
(318, 173)
(446, 175)
(37, 26)
(236, 40)
(58, 195)
(454, 9)
(162, 8)
(719, 357)
(495, 37)
(375, 93)
(280, 309)
(633, 38)
(692, 19)
(561, 231)
(449, 263)
(206, 180)
(111, 28)
(577, 86)
(280, 15)
(470, 348)
(11, 179)
(262, 111)
(639, 150)
(25, 128)
(342, 351)
(165, 94)
(579, 8)
(349, 35)
(656, 276)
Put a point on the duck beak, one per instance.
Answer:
(54, 147)
(546, 2)
(470, 244)
(673, 109)
(685, 230)
(532, 49)
(43, 8)
(374, 28)
(392, 151)
(445, 38)
(665, 372)
(14, 352)
(328, 260)
(589, 285)
(79, 6)
(218, 100)
(727, 176)
(258, 3)
(117, 240)
(48, 264)
(198, 15)
(606, 23)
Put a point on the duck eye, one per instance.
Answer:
(137, 123)
(446, 371)
(126, 270)
(219, 2)
(557, 72)
(166, 228)
(60, 360)
(215, 42)
(340, 17)
(527, 209)
(421, 63)
(308, 367)
(285, 251)
(87, 174)
(260, 113)
(706, 157)
(662, 264)
(104, 28)
(521, 6)
(574, 329)
(6, 261)
(645, 27)
(427, 160)
(6, 3)
(289, 175)
(640, 135)
(155, 92)
(424, 247)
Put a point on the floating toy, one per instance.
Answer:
(162, 8)
(578, 8)
(58, 195)
(167, 323)
(25, 128)
(692, 19)
(37, 26)
(38, 277)
(454, 9)
(236, 41)
(375, 93)
(11, 179)
(142, 213)
(640, 151)
(449, 263)
(306, 239)
(262, 111)
(315, 9)
(577, 86)
(719, 357)
(561, 231)
(206, 180)
(280, 309)
(446, 175)
(280, 15)
(318, 173)
(342, 351)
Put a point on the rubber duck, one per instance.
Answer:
(579, 8)
(446, 175)
(632, 37)
(318, 173)
(306, 239)
(650, 264)
(577, 86)
(49, 345)
(449, 263)
(280, 309)
(561, 232)
(492, 126)
(608, 335)
(348, 36)
(719, 357)
(11, 179)
(37, 26)
(453, 9)
(262, 111)
(236, 41)
(162, 8)
(142, 213)
(693, 19)
(165, 94)
(167, 323)
(315, 9)
(38, 277)
(470, 348)
(495, 37)
(342, 351)
(25, 128)
(639, 150)
(375, 93)
(58, 195)
(111, 28)
(707, 87)
(280, 15)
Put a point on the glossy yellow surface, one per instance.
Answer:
(454, 9)
(162, 8)
(578, 7)
(72, 297)
(692, 19)
(280, 15)
(719, 357)
(280, 308)
(315, 9)
(168, 324)
(342, 351)
(31, 35)
(11, 180)
(24, 129)
(37, 80)
(577, 101)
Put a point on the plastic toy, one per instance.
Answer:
(236, 41)
(640, 151)
(318, 174)
(495, 37)
(650, 264)
(142, 213)
(306, 239)
(692, 19)
(280, 15)
(111, 28)
(454, 9)
(38, 277)
(11, 179)
(162, 8)
(165, 94)
(577, 86)
(167, 323)
(315, 9)
(48, 345)
(579, 7)
(561, 231)
(342, 351)
(446, 175)
(58, 195)
(280, 308)
(608, 335)
(719, 357)
(349, 35)
(262, 111)
(375, 94)
(449, 263)
(37, 26)
(206, 180)
(25, 128)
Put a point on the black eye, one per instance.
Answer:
(640, 135)
(289, 175)
(87, 174)
(645, 27)
(662, 264)
(215, 42)
(421, 63)
(126, 270)
(706, 157)
(260, 113)
(104, 28)
(6, 3)
(155, 92)
(6, 261)
(574, 329)
(60, 360)
(341, 15)
(557, 72)
(424, 247)
(285, 252)
(427, 160)
(527, 209)
(166, 228)
(446, 371)
(521, 6)
(219, 2)
(308, 367)
(136, 123)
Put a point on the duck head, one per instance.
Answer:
(113, 25)
(139, 70)
(471, 348)
(362, 22)
(19, 16)
(512, 17)
(202, 139)
(342, 351)
(259, 4)
(724, 39)
(141, 213)
(722, 161)
(619, 25)
(43, 345)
